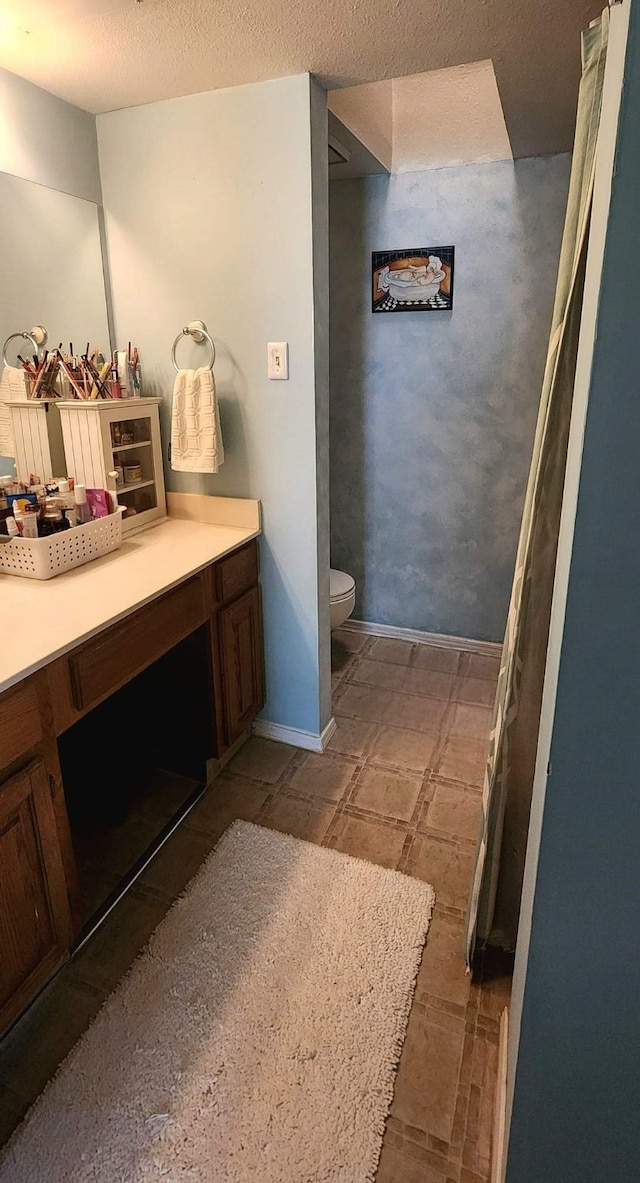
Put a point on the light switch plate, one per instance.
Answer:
(278, 359)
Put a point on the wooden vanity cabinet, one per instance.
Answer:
(240, 629)
(238, 642)
(37, 882)
(38, 892)
(34, 906)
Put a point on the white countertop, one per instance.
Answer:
(41, 619)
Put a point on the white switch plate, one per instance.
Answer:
(278, 359)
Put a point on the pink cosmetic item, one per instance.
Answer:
(98, 503)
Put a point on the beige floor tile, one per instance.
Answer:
(446, 867)
(427, 1083)
(351, 640)
(34, 1047)
(366, 702)
(430, 657)
(95, 885)
(115, 849)
(388, 649)
(443, 970)
(325, 776)
(471, 722)
(104, 960)
(495, 994)
(481, 691)
(303, 819)
(435, 683)
(387, 792)
(227, 798)
(12, 1110)
(413, 750)
(464, 759)
(480, 665)
(395, 1167)
(412, 711)
(341, 660)
(392, 707)
(455, 811)
(477, 1149)
(177, 862)
(378, 673)
(370, 840)
(352, 737)
(471, 1177)
(262, 759)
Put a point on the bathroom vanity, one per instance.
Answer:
(154, 649)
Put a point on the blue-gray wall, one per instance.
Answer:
(577, 1083)
(217, 221)
(432, 414)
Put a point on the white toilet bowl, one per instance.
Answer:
(343, 597)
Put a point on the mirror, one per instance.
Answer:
(51, 261)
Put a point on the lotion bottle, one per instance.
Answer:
(82, 508)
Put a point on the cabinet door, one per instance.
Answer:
(34, 906)
(242, 662)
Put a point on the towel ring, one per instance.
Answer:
(197, 330)
(23, 337)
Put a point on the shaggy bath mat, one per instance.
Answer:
(257, 1036)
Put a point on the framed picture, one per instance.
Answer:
(418, 279)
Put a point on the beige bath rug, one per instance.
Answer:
(256, 1038)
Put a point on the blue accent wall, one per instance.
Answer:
(577, 1082)
(230, 232)
(433, 414)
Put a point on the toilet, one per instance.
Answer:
(343, 597)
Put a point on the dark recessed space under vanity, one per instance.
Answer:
(132, 767)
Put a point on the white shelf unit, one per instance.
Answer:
(39, 449)
(90, 431)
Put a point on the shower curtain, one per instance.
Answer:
(495, 894)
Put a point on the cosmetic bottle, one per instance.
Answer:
(65, 492)
(53, 519)
(82, 508)
(30, 522)
(12, 527)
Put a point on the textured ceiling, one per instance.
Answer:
(437, 119)
(368, 111)
(473, 131)
(104, 54)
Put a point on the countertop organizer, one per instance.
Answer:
(122, 435)
(42, 558)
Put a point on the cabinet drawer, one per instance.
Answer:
(104, 665)
(20, 725)
(236, 574)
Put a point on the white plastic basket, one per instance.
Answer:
(42, 558)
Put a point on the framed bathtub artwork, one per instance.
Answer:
(418, 279)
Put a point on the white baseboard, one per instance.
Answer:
(293, 736)
(500, 1110)
(486, 648)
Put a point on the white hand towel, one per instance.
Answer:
(196, 439)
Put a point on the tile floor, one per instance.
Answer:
(399, 785)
